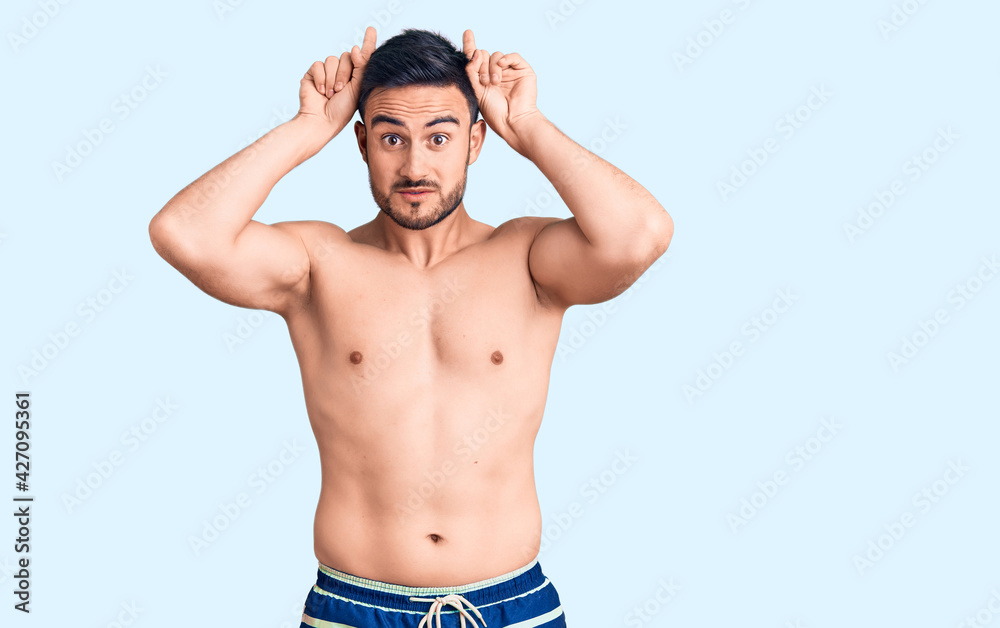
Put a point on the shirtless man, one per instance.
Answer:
(422, 330)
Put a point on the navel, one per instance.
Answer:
(434, 537)
(497, 357)
(356, 357)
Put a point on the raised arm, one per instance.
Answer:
(617, 230)
(207, 231)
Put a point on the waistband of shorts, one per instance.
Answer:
(514, 583)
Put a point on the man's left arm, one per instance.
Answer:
(617, 230)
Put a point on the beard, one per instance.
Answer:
(409, 216)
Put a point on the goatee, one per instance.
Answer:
(448, 204)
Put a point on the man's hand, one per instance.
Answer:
(505, 89)
(328, 93)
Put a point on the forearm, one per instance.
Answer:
(222, 202)
(613, 211)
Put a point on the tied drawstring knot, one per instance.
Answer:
(452, 599)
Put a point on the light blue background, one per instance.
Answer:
(618, 384)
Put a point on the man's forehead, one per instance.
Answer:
(417, 105)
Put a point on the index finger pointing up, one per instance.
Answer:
(469, 44)
(368, 45)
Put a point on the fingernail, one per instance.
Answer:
(329, 93)
(484, 78)
(322, 89)
(496, 78)
(339, 86)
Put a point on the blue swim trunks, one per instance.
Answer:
(523, 598)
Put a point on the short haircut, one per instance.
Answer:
(417, 57)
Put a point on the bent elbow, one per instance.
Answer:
(161, 234)
(662, 231)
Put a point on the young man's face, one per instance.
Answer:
(418, 148)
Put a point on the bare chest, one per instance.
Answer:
(472, 319)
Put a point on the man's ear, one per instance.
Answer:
(477, 135)
(362, 134)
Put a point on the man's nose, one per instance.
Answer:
(416, 164)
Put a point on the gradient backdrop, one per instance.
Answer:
(789, 421)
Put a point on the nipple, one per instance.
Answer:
(356, 357)
(497, 357)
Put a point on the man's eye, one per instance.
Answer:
(392, 140)
(443, 140)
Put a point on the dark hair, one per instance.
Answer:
(417, 57)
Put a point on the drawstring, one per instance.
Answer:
(452, 599)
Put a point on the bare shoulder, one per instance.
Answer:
(319, 237)
(524, 228)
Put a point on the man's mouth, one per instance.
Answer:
(415, 192)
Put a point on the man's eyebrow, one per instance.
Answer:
(381, 117)
(441, 120)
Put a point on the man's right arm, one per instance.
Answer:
(207, 231)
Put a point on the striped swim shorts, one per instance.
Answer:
(523, 598)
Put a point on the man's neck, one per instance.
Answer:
(426, 247)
